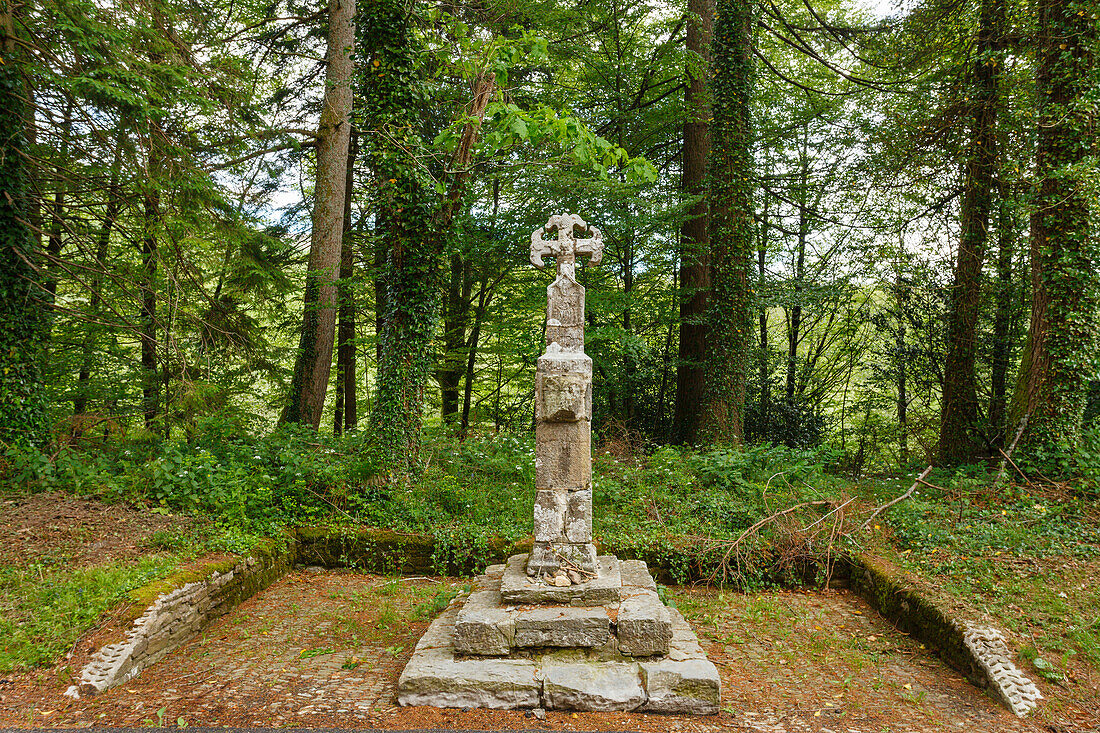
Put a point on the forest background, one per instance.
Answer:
(872, 238)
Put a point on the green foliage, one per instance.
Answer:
(975, 523)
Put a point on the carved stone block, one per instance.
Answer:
(578, 517)
(563, 455)
(563, 398)
(544, 557)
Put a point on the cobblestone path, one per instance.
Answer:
(325, 650)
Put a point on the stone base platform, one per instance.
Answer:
(634, 654)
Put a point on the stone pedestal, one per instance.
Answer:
(609, 646)
(560, 627)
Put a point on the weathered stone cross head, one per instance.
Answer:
(567, 246)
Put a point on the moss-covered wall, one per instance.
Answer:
(892, 594)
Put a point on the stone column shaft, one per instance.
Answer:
(563, 412)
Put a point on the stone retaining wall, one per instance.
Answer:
(979, 652)
(183, 605)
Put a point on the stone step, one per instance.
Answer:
(682, 682)
(518, 589)
(640, 625)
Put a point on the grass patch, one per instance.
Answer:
(43, 611)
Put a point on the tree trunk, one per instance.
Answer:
(416, 228)
(57, 209)
(314, 362)
(630, 365)
(794, 331)
(346, 415)
(1058, 358)
(483, 297)
(456, 318)
(902, 402)
(762, 365)
(24, 316)
(1003, 317)
(731, 225)
(150, 256)
(694, 246)
(959, 431)
(658, 427)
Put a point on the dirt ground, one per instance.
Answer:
(325, 648)
(59, 528)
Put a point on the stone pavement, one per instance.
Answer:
(325, 650)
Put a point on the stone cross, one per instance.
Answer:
(563, 546)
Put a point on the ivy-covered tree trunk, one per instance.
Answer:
(694, 254)
(729, 312)
(346, 414)
(314, 361)
(959, 428)
(1060, 355)
(24, 316)
(409, 273)
(1006, 317)
(414, 222)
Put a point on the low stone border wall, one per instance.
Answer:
(181, 606)
(978, 651)
(387, 551)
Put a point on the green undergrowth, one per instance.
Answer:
(45, 609)
(471, 495)
(48, 604)
(1026, 555)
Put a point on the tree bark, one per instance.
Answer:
(630, 364)
(346, 414)
(729, 312)
(314, 362)
(1058, 358)
(959, 430)
(1004, 316)
(694, 245)
(456, 318)
(764, 429)
(24, 316)
(902, 395)
(57, 210)
(483, 297)
(794, 331)
(150, 259)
